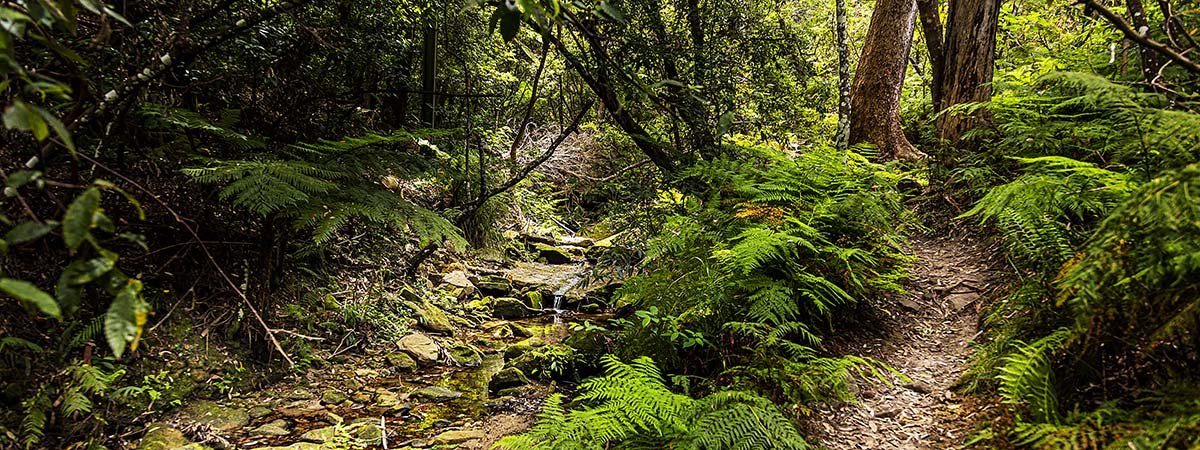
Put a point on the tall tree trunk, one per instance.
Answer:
(843, 51)
(931, 27)
(875, 96)
(970, 58)
(429, 76)
(1149, 60)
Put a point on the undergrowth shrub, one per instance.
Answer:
(1100, 219)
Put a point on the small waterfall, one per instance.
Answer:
(556, 305)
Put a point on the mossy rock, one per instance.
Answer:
(512, 308)
(554, 254)
(402, 362)
(507, 378)
(516, 350)
(465, 355)
(430, 317)
(494, 285)
(217, 417)
(162, 437)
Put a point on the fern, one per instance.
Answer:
(631, 407)
(1027, 377)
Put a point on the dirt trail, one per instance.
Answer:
(925, 336)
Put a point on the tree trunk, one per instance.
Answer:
(1149, 60)
(970, 57)
(931, 27)
(843, 51)
(875, 96)
(429, 76)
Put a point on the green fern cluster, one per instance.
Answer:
(632, 408)
(326, 185)
(775, 249)
(1102, 219)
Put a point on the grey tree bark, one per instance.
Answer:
(843, 51)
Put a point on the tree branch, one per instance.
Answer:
(1133, 35)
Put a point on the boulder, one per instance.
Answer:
(516, 350)
(512, 308)
(333, 397)
(431, 317)
(162, 437)
(457, 279)
(421, 347)
(507, 378)
(277, 427)
(436, 394)
(458, 437)
(401, 362)
(554, 254)
(494, 285)
(214, 416)
(465, 355)
(258, 412)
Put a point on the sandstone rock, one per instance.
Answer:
(332, 397)
(402, 362)
(436, 394)
(217, 417)
(458, 437)
(277, 427)
(162, 437)
(507, 378)
(457, 279)
(421, 347)
(577, 241)
(494, 285)
(512, 308)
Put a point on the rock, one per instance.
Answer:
(162, 437)
(458, 437)
(366, 432)
(591, 308)
(431, 317)
(320, 435)
(296, 446)
(465, 355)
(300, 408)
(507, 378)
(437, 394)
(259, 412)
(577, 241)
(909, 304)
(538, 239)
(401, 362)
(589, 346)
(516, 350)
(494, 285)
(551, 362)
(511, 308)
(333, 397)
(277, 427)
(918, 386)
(299, 394)
(457, 279)
(217, 417)
(421, 347)
(553, 254)
(960, 301)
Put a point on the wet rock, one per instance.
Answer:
(465, 355)
(494, 285)
(421, 347)
(516, 350)
(333, 397)
(436, 394)
(554, 255)
(162, 437)
(591, 308)
(512, 308)
(259, 412)
(431, 317)
(402, 362)
(277, 427)
(217, 417)
(458, 437)
(507, 378)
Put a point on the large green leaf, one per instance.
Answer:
(77, 224)
(30, 294)
(27, 232)
(21, 116)
(125, 318)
